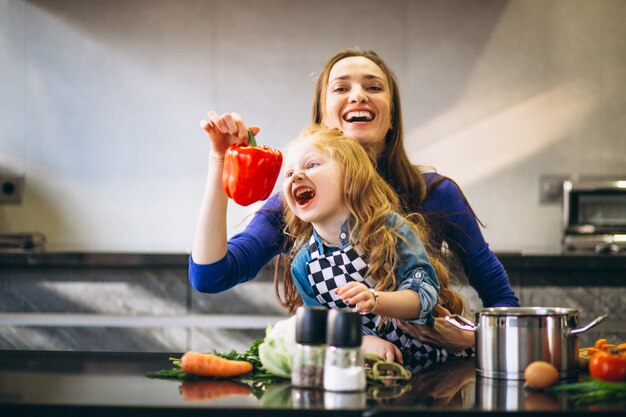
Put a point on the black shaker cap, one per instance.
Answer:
(344, 329)
(311, 325)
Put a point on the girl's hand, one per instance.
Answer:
(357, 294)
(224, 130)
(384, 349)
(442, 334)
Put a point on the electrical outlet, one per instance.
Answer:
(551, 188)
(11, 189)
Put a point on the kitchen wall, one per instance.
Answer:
(100, 103)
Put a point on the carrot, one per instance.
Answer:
(599, 343)
(621, 346)
(607, 346)
(210, 389)
(206, 364)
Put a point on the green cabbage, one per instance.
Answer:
(277, 350)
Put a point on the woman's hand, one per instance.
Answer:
(380, 347)
(224, 130)
(357, 294)
(442, 334)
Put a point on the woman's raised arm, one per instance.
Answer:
(209, 244)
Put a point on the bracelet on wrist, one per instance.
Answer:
(375, 295)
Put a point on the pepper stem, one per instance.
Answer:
(251, 139)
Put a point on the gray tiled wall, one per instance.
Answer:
(592, 301)
(495, 94)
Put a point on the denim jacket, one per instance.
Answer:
(413, 271)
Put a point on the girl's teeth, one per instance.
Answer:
(304, 196)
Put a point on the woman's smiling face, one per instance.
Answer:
(313, 186)
(357, 100)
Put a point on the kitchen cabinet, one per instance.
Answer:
(143, 302)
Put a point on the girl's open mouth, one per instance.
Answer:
(303, 195)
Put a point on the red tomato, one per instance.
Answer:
(608, 366)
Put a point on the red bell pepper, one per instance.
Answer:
(250, 171)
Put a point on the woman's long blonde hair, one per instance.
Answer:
(370, 201)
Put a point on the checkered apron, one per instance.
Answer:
(327, 272)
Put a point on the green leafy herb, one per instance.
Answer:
(174, 373)
(593, 392)
(251, 355)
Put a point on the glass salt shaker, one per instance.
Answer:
(344, 367)
(308, 360)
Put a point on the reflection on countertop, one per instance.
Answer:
(62, 383)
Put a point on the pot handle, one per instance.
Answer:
(468, 327)
(589, 325)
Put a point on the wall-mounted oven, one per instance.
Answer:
(595, 216)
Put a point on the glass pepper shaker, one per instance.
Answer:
(344, 367)
(308, 359)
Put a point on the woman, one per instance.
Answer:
(357, 93)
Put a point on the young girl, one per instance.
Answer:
(351, 249)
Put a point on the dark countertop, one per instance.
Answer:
(562, 261)
(43, 258)
(45, 383)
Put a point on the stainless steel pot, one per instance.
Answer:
(510, 338)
